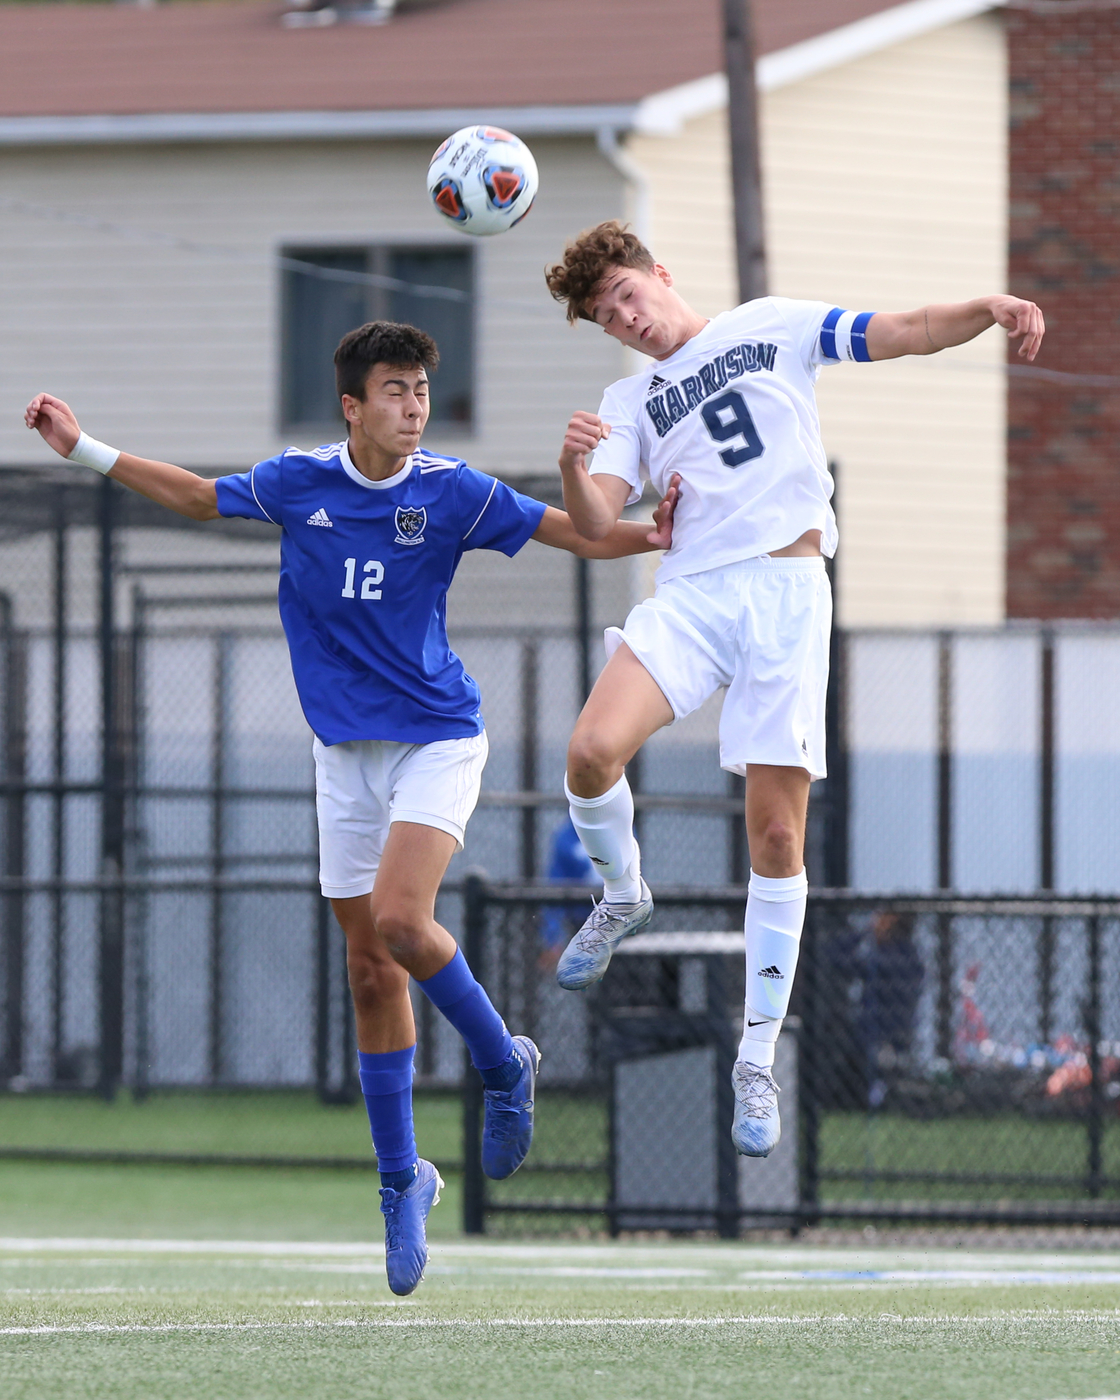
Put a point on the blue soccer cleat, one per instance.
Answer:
(757, 1126)
(586, 957)
(406, 1215)
(507, 1123)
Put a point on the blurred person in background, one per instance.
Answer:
(568, 864)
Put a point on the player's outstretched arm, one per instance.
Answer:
(933, 328)
(167, 485)
(594, 503)
(625, 536)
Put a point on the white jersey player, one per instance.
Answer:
(742, 597)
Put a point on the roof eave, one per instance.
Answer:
(434, 123)
(659, 114)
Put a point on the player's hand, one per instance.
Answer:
(56, 423)
(585, 432)
(1020, 318)
(661, 536)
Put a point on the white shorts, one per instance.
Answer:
(759, 627)
(363, 786)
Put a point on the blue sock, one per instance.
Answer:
(455, 992)
(387, 1089)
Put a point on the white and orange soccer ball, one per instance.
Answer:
(483, 180)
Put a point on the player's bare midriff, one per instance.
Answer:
(805, 547)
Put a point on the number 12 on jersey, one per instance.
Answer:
(370, 591)
(729, 417)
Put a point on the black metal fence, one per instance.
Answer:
(159, 923)
(161, 929)
(948, 1059)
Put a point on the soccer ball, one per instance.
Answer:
(483, 180)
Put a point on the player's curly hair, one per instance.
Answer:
(380, 343)
(588, 259)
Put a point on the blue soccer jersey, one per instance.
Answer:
(364, 572)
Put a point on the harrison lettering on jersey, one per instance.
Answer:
(668, 407)
(363, 607)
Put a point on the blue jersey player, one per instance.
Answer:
(372, 530)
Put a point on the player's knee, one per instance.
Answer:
(400, 927)
(779, 848)
(592, 763)
(375, 980)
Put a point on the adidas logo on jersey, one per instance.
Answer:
(320, 518)
(654, 384)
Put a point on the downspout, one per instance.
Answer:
(638, 181)
(634, 176)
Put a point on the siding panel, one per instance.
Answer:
(152, 305)
(885, 188)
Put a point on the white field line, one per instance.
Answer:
(679, 1259)
(538, 1324)
(50, 1329)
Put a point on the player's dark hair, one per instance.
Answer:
(380, 343)
(588, 259)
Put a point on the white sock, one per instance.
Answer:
(772, 929)
(605, 826)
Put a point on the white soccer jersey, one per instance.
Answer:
(734, 412)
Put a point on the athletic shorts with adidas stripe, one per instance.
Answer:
(761, 628)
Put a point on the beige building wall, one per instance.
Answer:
(690, 221)
(141, 284)
(885, 188)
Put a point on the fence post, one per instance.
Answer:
(137, 858)
(583, 626)
(15, 772)
(728, 1219)
(323, 1000)
(111, 933)
(837, 796)
(1046, 833)
(474, 1184)
(945, 761)
(945, 842)
(1095, 1125)
(530, 688)
(807, 1067)
(58, 766)
(219, 705)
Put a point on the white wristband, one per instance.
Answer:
(88, 452)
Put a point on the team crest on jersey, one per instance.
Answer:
(411, 521)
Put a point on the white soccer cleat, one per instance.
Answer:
(757, 1126)
(585, 958)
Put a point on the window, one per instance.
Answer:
(320, 307)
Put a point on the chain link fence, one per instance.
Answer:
(161, 929)
(945, 1059)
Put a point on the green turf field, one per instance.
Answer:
(223, 1321)
(572, 1130)
(284, 1123)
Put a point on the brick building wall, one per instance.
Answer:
(1063, 557)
